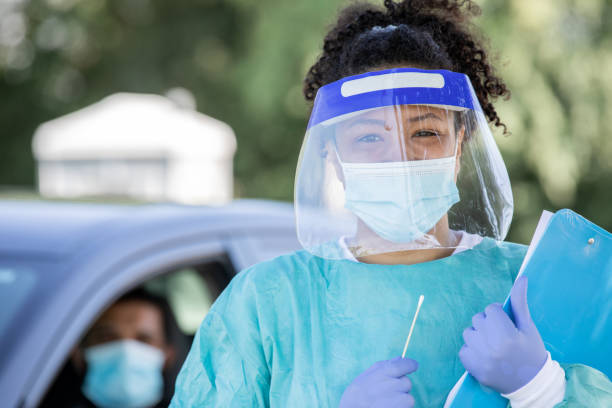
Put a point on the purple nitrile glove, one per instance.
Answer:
(382, 385)
(500, 354)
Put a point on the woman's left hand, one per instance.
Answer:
(499, 353)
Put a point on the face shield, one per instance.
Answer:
(397, 160)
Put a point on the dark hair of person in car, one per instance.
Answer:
(142, 295)
(436, 33)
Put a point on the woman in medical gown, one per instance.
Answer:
(400, 192)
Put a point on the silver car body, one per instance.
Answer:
(79, 257)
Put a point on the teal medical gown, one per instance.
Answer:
(296, 330)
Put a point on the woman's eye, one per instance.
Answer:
(426, 133)
(370, 138)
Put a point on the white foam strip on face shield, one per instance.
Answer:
(391, 81)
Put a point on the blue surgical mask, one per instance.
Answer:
(125, 373)
(401, 201)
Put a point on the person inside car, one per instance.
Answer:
(126, 359)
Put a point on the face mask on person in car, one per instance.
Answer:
(124, 373)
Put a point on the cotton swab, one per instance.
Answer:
(416, 314)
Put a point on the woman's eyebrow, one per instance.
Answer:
(428, 115)
(99, 330)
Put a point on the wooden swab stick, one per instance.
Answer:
(416, 314)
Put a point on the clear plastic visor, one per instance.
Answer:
(397, 178)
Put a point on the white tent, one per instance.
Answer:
(136, 145)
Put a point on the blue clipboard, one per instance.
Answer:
(569, 297)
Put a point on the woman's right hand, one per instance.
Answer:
(384, 384)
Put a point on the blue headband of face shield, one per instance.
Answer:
(397, 86)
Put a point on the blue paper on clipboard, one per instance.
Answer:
(569, 297)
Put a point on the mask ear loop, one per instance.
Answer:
(456, 146)
(460, 111)
(338, 154)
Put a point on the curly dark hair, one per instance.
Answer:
(428, 34)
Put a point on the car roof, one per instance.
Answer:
(57, 229)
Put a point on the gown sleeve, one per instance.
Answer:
(586, 387)
(226, 366)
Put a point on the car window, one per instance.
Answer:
(15, 287)
(191, 290)
(188, 296)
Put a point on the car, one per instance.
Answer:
(63, 263)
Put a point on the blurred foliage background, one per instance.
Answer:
(244, 61)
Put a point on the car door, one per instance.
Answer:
(72, 318)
